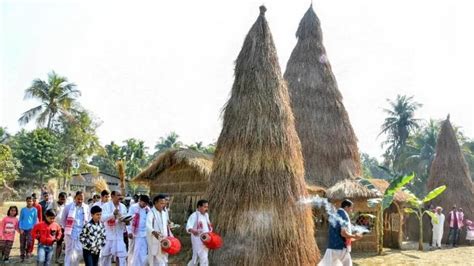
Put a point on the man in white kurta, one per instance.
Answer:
(438, 228)
(138, 248)
(114, 229)
(75, 215)
(157, 229)
(198, 223)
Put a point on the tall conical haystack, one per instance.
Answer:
(450, 168)
(329, 144)
(258, 174)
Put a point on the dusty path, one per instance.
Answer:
(461, 256)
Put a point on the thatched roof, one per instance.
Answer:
(382, 185)
(329, 143)
(450, 168)
(258, 177)
(351, 189)
(200, 162)
(316, 190)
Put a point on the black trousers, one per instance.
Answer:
(89, 258)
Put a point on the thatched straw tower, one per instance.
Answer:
(181, 173)
(450, 168)
(258, 175)
(329, 144)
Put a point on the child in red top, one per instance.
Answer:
(8, 227)
(47, 233)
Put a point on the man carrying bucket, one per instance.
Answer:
(157, 229)
(340, 237)
(198, 224)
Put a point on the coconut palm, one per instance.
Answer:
(398, 126)
(170, 142)
(57, 96)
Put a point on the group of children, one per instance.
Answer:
(99, 232)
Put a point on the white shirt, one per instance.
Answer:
(134, 210)
(114, 228)
(198, 221)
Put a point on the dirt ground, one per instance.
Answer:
(447, 256)
(461, 256)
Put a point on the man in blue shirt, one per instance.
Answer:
(340, 237)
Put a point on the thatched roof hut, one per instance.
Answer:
(394, 216)
(450, 168)
(181, 173)
(258, 175)
(359, 194)
(329, 143)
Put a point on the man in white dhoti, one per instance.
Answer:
(199, 223)
(438, 228)
(138, 248)
(112, 211)
(340, 237)
(157, 229)
(75, 216)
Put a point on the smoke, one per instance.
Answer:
(334, 218)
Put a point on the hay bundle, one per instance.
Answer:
(100, 185)
(121, 173)
(52, 187)
(258, 174)
(329, 144)
(450, 168)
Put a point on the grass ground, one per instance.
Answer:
(409, 256)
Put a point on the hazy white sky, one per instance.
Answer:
(146, 68)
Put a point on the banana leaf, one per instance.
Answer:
(434, 193)
(433, 216)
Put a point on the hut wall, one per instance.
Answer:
(393, 227)
(369, 243)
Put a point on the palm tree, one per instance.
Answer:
(57, 97)
(4, 136)
(399, 124)
(170, 142)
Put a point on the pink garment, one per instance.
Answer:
(459, 216)
(8, 226)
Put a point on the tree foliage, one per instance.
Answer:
(57, 97)
(39, 153)
(9, 165)
(398, 126)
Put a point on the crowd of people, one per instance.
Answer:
(100, 231)
(457, 223)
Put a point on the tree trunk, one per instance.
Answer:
(420, 239)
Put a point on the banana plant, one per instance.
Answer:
(417, 208)
(396, 184)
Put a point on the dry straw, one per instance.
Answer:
(329, 144)
(258, 174)
(100, 184)
(450, 168)
(121, 173)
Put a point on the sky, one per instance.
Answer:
(146, 68)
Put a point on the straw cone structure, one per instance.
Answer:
(121, 172)
(258, 174)
(450, 168)
(329, 144)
